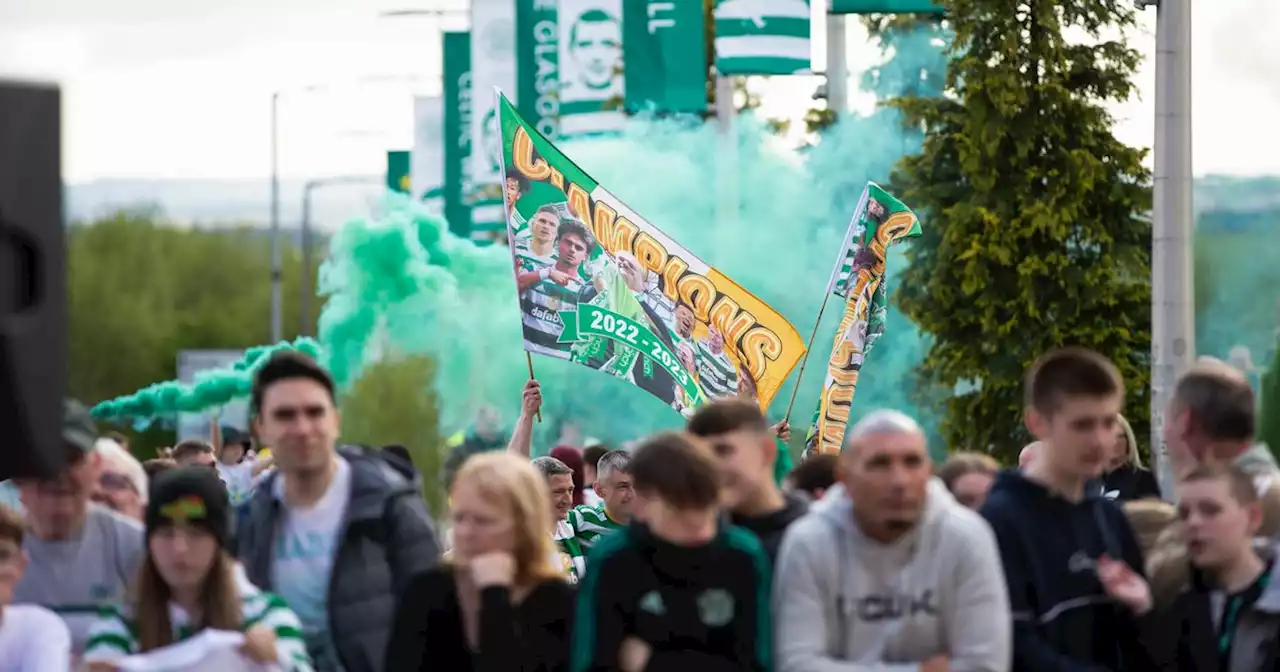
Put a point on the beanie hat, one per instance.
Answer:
(192, 495)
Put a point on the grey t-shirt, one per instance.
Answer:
(74, 578)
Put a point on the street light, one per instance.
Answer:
(1173, 342)
(307, 274)
(277, 249)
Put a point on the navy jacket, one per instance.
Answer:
(1062, 618)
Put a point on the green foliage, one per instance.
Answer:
(1032, 210)
(393, 401)
(1269, 408)
(140, 289)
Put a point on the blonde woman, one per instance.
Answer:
(1126, 479)
(498, 602)
(188, 582)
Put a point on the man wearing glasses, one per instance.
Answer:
(82, 555)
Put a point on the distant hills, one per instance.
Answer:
(236, 202)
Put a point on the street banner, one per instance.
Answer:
(398, 176)
(537, 64)
(883, 7)
(762, 37)
(458, 184)
(493, 64)
(859, 278)
(234, 414)
(664, 56)
(591, 74)
(426, 162)
(602, 287)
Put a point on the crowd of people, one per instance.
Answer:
(687, 551)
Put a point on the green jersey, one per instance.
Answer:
(540, 306)
(718, 376)
(590, 523)
(572, 557)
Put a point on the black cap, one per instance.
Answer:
(192, 495)
(78, 429)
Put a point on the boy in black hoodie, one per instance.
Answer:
(1073, 565)
(681, 591)
(745, 450)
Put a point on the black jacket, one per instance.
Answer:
(1189, 637)
(386, 537)
(1062, 619)
(702, 608)
(526, 637)
(770, 527)
(1128, 482)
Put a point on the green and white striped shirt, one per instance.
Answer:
(541, 305)
(114, 635)
(717, 374)
(590, 523)
(571, 556)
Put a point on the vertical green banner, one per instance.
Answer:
(591, 74)
(664, 56)
(457, 132)
(538, 64)
(493, 64)
(398, 172)
(884, 7)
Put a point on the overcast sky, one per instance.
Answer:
(182, 88)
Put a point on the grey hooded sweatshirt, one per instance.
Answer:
(845, 603)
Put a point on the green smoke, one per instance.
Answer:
(210, 389)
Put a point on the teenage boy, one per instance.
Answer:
(1073, 566)
(680, 591)
(745, 450)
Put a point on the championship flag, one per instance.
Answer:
(859, 278)
(426, 162)
(397, 177)
(602, 287)
(884, 7)
(762, 37)
(458, 184)
(493, 63)
(664, 56)
(591, 74)
(538, 64)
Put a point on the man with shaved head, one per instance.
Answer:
(888, 569)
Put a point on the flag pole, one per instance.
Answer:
(804, 361)
(529, 358)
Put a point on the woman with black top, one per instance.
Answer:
(1226, 618)
(497, 602)
(1126, 479)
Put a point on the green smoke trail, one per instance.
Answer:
(209, 390)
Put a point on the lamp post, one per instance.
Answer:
(277, 248)
(307, 190)
(1173, 345)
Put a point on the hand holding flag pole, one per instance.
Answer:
(529, 358)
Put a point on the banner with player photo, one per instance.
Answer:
(859, 278)
(602, 287)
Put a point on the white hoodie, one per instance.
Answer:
(845, 603)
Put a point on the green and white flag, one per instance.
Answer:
(537, 64)
(664, 63)
(493, 64)
(884, 7)
(458, 184)
(762, 37)
(602, 287)
(426, 163)
(591, 75)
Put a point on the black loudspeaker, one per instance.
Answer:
(32, 282)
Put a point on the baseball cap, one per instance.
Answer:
(78, 429)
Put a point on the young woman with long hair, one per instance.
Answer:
(498, 602)
(189, 582)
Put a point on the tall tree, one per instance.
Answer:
(1037, 236)
(394, 401)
